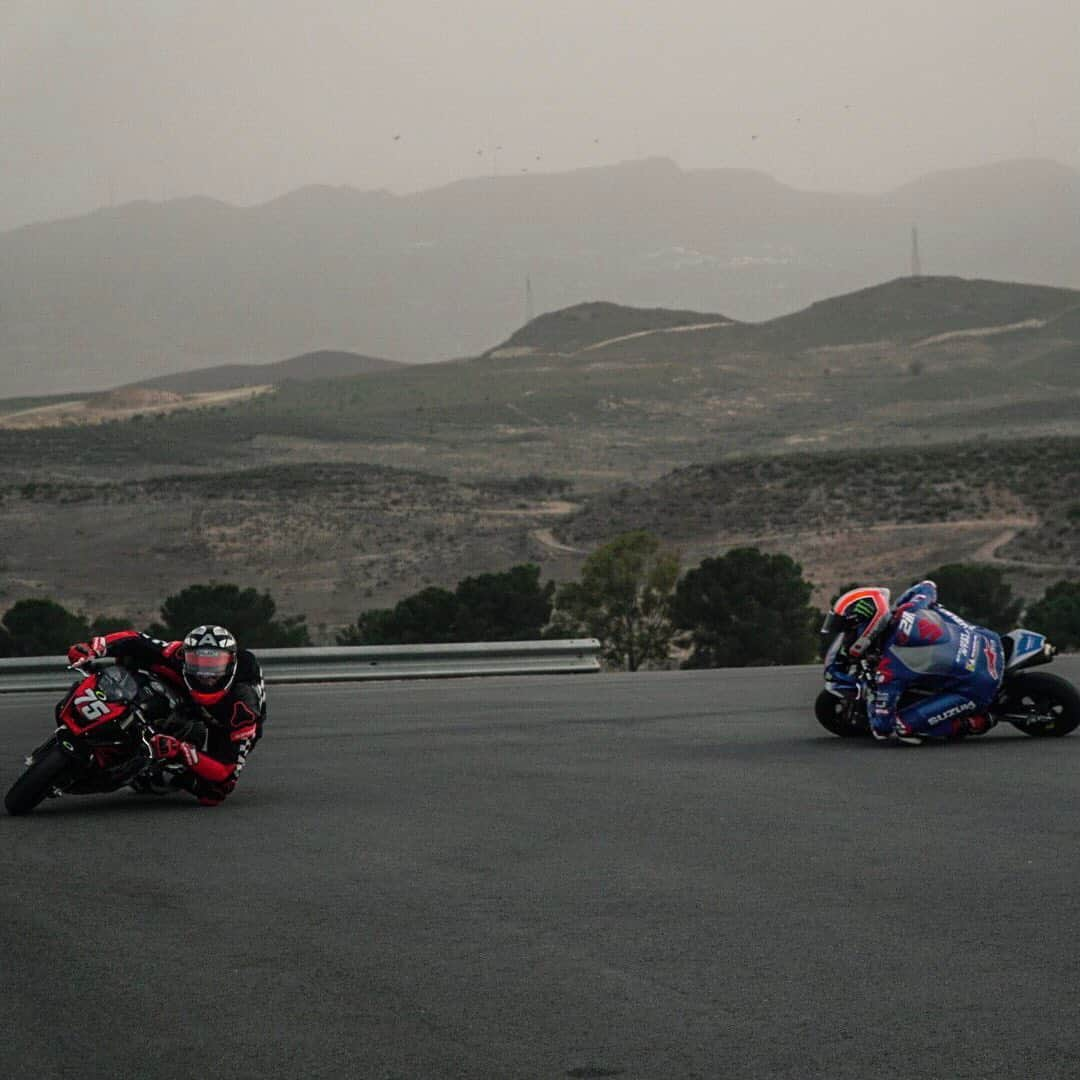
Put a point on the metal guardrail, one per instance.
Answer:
(362, 662)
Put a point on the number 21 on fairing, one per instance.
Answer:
(91, 706)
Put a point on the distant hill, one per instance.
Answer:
(871, 514)
(907, 311)
(585, 326)
(912, 309)
(143, 290)
(324, 364)
(911, 362)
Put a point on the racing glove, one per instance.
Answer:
(82, 651)
(166, 748)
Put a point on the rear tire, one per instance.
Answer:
(841, 716)
(1051, 704)
(49, 771)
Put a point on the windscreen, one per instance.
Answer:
(118, 684)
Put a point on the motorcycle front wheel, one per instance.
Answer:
(1039, 704)
(49, 771)
(841, 716)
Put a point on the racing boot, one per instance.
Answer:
(905, 735)
(979, 724)
(158, 780)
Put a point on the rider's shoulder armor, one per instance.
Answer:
(247, 667)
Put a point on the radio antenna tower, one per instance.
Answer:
(529, 313)
(916, 262)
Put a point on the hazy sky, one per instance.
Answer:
(113, 100)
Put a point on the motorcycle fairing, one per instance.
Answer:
(86, 708)
(1025, 648)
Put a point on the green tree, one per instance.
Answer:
(1057, 614)
(247, 613)
(746, 609)
(979, 593)
(426, 617)
(510, 606)
(375, 627)
(109, 624)
(42, 627)
(623, 599)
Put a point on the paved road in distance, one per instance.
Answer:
(651, 876)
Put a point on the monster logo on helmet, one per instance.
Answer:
(863, 608)
(865, 611)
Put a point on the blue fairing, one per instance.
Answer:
(1025, 644)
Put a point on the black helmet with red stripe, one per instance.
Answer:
(209, 663)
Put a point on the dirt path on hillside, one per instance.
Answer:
(1013, 525)
(988, 553)
(122, 405)
(546, 538)
(648, 333)
(981, 332)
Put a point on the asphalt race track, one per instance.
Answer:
(642, 876)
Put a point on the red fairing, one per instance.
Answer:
(84, 710)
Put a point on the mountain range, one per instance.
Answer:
(138, 291)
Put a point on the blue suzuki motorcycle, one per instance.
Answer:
(1037, 703)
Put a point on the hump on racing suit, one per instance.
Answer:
(929, 648)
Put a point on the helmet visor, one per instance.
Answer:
(206, 667)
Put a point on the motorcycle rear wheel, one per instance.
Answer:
(48, 771)
(1040, 704)
(841, 716)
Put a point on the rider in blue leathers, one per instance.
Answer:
(918, 644)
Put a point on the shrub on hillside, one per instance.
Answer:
(507, 606)
(979, 593)
(746, 609)
(623, 598)
(1057, 614)
(41, 627)
(247, 613)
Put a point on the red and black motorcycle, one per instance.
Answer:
(103, 739)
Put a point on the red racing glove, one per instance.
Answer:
(80, 652)
(166, 748)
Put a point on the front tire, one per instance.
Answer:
(1040, 704)
(841, 716)
(48, 771)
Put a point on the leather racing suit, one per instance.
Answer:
(926, 647)
(223, 733)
